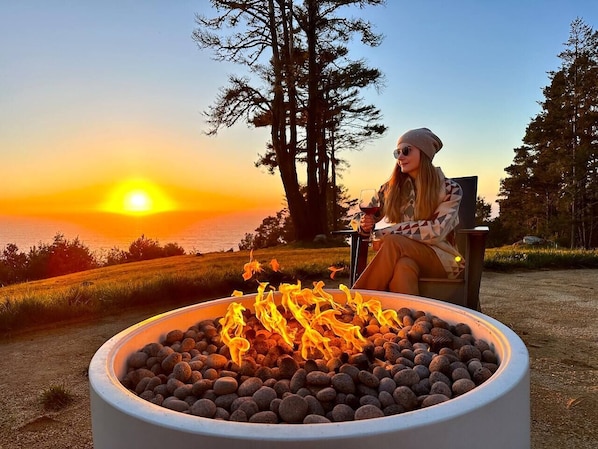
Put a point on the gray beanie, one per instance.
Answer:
(424, 139)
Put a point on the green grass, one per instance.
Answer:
(181, 280)
(175, 281)
(514, 258)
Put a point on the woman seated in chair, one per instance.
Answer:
(421, 208)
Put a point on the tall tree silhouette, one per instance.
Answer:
(303, 87)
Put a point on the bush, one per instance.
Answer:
(146, 249)
(525, 257)
(116, 256)
(61, 257)
(173, 249)
(12, 265)
(274, 231)
(56, 397)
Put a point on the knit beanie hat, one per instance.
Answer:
(424, 139)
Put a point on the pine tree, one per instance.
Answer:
(552, 182)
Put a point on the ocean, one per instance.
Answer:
(193, 231)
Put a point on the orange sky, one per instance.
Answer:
(136, 195)
(85, 170)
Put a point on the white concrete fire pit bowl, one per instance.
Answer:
(496, 414)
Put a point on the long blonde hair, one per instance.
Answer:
(427, 187)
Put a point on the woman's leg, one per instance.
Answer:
(398, 265)
(405, 278)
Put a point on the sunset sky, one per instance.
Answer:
(101, 98)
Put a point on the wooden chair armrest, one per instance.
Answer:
(478, 230)
(344, 232)
(475, 239)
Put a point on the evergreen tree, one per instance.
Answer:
(551, 187)
(483, 210)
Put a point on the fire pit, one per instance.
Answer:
(495, 414)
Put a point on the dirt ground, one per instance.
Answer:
(554, 312)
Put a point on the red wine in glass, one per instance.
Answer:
(369, 202)
(370, 210)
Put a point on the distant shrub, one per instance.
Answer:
(145, 249)
(13, 264)
(115, 256)
(274, 231)
(525, 257)
(247, 242)
(173, 249)
(63, 256)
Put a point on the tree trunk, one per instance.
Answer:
(314, 200)
(285, 152)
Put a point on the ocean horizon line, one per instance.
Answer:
(195, 232)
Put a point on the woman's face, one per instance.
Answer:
(408, 157)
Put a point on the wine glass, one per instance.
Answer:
(369, 203)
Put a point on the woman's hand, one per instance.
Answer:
(367, 223)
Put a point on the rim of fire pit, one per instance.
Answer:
(510, 350)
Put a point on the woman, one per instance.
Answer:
(422, 207)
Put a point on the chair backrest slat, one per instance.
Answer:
(469, 185)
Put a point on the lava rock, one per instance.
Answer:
(225, 385)
(293, 409)
(204, 408)
(367, 412)
(434, 399)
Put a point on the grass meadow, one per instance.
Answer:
(182, 280)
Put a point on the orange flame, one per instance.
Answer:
(275, 265)
(252, 267)
(333, 270)
(319, 298)
(315, 311)
(311, 340)
(233, 323)
(350, 332)
(363, 309)
(270, 317)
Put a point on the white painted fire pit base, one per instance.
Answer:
(496, 414)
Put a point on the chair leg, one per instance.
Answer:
(361, 257)
(354, 258)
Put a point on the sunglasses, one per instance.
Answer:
(405, 152)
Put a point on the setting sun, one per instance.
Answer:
(137, 197)
(138, 201)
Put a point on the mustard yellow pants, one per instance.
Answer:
(398, 265)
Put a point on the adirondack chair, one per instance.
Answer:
(471, 242)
